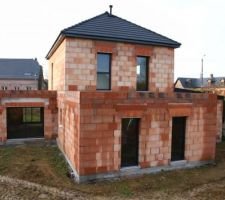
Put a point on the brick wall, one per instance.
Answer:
(78, 56)
(219, 120)
(69, 126)
(99, 133)
(35, 98)
(220, 91)
(21, 84)
(3, 131)
(56, 78)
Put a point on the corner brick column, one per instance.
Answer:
(3, 130)
(210, 129)
(219, 120)
(50, 123)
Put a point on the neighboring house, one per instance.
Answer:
(26, 110)
(20, 74)
(118, 114)
(198, 83)
(210, 84)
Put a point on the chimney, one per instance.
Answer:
(211, 80)
(110, 8)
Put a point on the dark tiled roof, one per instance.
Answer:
(197, 83)
(112, 28)
(186, 90)
(19, 69)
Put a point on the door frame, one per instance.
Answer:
(138, 142)
(185, 137)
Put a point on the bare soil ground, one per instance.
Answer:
(45, 165)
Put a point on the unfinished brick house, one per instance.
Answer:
(117, 112)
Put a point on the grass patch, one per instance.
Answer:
(126, 191)
(39, 164)
(58, 163)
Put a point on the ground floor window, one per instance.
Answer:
(25, 122)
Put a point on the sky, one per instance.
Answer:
(28, 28)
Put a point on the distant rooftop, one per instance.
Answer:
(19, 68)
(197, 82)
(109, 27)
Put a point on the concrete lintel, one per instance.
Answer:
(25, 100)
(180, 104)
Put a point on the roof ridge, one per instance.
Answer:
(146, 29)
(187, 78)
(84, 21)
(200, 78)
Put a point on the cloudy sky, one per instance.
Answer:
(28, 28)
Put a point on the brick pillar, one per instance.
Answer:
(3, 129)
(219, 120)
(50, 123)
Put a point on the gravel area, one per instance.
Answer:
(18, 189)
(14, 189)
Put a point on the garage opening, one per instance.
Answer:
(25, 122)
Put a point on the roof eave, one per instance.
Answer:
(55, 45)
(18, 78)
(113, 39)
(62, 35)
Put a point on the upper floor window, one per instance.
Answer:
(103, 71)
(142, 73)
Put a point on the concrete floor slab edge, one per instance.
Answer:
(138, 171)
(132, 172)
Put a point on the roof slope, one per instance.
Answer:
(19, 68)
(112, 28)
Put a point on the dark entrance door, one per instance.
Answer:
(25, 123)
(178, 138)
(130, 135)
